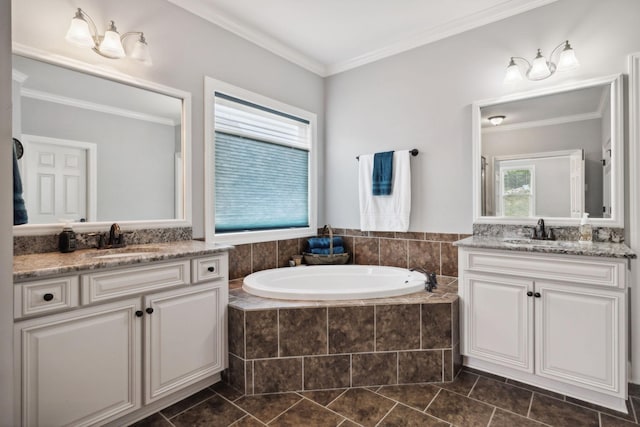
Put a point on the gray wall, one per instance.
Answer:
(185, 48)
(421, 98)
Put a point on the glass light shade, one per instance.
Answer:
(79, 33)
(539, 68)
(496, 120)
(513, 74)
(111, 44)
(568, 60)
(140, 51)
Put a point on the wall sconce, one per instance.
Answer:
(109, 45)
(540, 68)
(496, 120)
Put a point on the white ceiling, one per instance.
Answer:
(331, 36)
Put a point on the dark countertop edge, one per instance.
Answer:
(595, 249)
(79, 262)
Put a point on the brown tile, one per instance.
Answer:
(354, 232)
(248, 421)
(322, 372)
(307, 413)
(303, 331)
(559, 413)
(628, 416)
(155, 420)
(214, 411)
(236, 373)
(264, 256)
(393, 252)
(415, 395)
(424, 255)
(383, 234)
(464, 236)
(462, 384)
(448, 260)
(535, 389)
(348, 243)
(349, 423)
(403, 416)
(441, 237)
(609, 421)
(419, 366)
(351, 329)
(362, 406)
(236, 331)
(277, 375)
(448, 373)
(248, 369)
(503, 395)
(457, 360)
(397, 327)
(239, 261)
(507, 419)
(374, 369)
(410, 235)
(323, 397)
(187, 403)
(460, 410)
(262, 334)
(268, 406)
(455, 322)
(436, 326)
(366, 251)
(635, 404)
(634, 389)
(226, 391)
(485, 374)
(286, 250)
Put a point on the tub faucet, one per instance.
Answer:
(116, 238)
(431, 282)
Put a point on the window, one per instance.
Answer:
(516, 188)
(260, 167)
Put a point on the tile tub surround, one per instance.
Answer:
(431, 251)
(279, 346)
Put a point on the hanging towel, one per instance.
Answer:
(385, 213)
(19, 209)
(382, 173)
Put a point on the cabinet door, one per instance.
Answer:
(81, 367)
(580, 335)
(499, 320)
(185, 339)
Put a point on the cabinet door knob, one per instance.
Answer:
(211, 269)
(529, 294)
(149, 310)
(47, 297)
(139, 313)
(537, 295)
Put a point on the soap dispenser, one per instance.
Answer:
(67, 239)
(586, 232)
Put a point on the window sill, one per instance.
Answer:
(264, 236)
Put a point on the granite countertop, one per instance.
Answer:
(56, 263)
(565, 247)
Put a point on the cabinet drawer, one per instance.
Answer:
(210, 268)
(131, 281)
(583, 270)
(45, 296)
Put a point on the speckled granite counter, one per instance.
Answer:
(597, 249)
(56, 263)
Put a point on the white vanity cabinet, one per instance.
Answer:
(141, 337)
(555, 321)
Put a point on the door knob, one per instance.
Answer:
(47, 297)
(537, 295)
(149, 310)
(139, 313)
(211, 269)
(529, 294)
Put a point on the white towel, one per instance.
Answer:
(385, 213)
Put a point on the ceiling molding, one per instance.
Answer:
(547, 122)
(503, 10)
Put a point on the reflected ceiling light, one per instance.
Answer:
(496, 120)
(540, 68)
(83, 32)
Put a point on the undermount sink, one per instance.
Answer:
(123, 252)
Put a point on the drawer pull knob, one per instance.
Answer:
(537, 295)
(211, 269)
(47, 297)
(529, 294)
(139, 313)
(149, 310)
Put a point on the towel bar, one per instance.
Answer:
(414, 152)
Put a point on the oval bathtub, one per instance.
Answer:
(334, 282)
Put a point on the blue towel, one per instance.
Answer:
(323, 242)
(326, 251)
(382, 178)
(19, 209)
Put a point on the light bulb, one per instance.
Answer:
(79, 33)
(496, 120)
(539, 68)
(568, 60)
(140, 51)
(512, 74)
(111, 44)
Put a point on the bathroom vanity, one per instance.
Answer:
(116, 335)
(548, 313)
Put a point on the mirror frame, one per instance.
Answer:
(617, 147)
(116, 76)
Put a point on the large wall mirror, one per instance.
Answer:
(555, 154)
(99, 148)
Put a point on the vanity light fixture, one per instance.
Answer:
(496, 120)
(83, 32)
(540, 68)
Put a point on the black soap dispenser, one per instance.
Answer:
(67, 239)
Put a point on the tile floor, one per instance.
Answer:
(473, 399)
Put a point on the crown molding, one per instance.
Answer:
(547, 122)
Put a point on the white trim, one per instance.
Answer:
(617, 144)
(43, 229)
(18, 76)
(86, 105)
(546, 122)
(211, 86)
